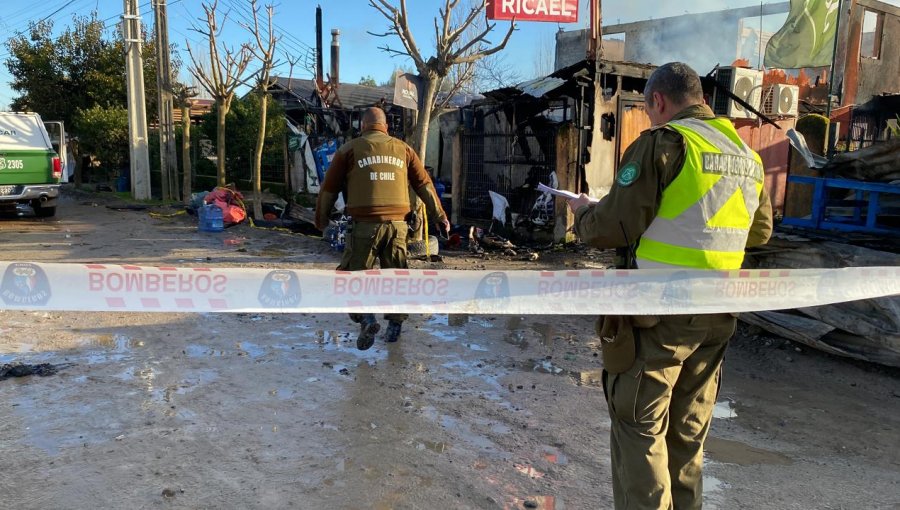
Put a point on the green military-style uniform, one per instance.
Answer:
(375, 172)
(691, 194)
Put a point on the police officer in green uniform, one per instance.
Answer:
(689, 195)
(375, 172)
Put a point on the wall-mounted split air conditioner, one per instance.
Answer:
(781, 99)
(745, 84)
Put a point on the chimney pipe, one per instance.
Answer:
(335, 55)
(320, 76)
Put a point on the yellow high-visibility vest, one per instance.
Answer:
(705, 214)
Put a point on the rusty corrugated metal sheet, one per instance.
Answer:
(774, 148)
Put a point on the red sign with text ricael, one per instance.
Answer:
(556, 11)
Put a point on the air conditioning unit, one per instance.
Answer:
(745, 84)
(780, 99)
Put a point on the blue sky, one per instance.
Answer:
(360, 56)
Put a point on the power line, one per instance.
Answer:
(28, 19)
(293, 45)
(45, 18)
(248, 13)
(106, 22)
(288, 38)
(27, 12)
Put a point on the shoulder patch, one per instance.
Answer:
(628, 174)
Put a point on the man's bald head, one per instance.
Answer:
(373, 116)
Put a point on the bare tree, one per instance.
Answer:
(264, 51)
(490, 72)
(494, 72)
(453, 47)
(292, 62)
(221, 79)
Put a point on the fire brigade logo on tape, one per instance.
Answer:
(678, 289)
(493, 291)
(25, 284)
(280, 289)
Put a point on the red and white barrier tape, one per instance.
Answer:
(105, 287)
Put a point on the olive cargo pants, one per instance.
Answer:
(661, 409)
(366, 241)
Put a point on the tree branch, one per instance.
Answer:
(395, 53)
(458, 58)
(458, 31)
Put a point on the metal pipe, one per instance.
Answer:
(320, 76)
(832, 136)
(335, 55)
(837, 34)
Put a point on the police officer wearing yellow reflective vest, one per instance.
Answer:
(375, 172)
(689, 194)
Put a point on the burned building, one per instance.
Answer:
(566, 130)
(867, 63)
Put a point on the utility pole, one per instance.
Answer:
(595, 39)
(137, 111)
(168, 160)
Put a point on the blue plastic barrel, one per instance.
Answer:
(211, 218)
(123, 183)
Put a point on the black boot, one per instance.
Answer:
(393, 331)
(368, 328)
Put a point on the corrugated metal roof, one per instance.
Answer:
(351, 95)
(538, 87)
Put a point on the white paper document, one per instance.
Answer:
(568, 195)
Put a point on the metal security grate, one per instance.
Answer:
(508, 164)
(866, 129)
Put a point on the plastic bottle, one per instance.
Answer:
(439, 188)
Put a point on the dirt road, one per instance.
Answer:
(281, 411)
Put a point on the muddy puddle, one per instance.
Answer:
(472, 435)
(713, 492)
(435, 446)
(724, 409)
(735, 452)
(106, 343)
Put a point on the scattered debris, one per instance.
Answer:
(128, 207)
(874, 163)
(23, 370)
(474, 247)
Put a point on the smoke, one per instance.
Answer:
(701, 39)
(640, 10)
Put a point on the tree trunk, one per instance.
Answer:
(173, 166)
(420, 136)
(163, 165)
(257, 157)
(220, 144)
(287, 165)
(186, 152)
(420, 144)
